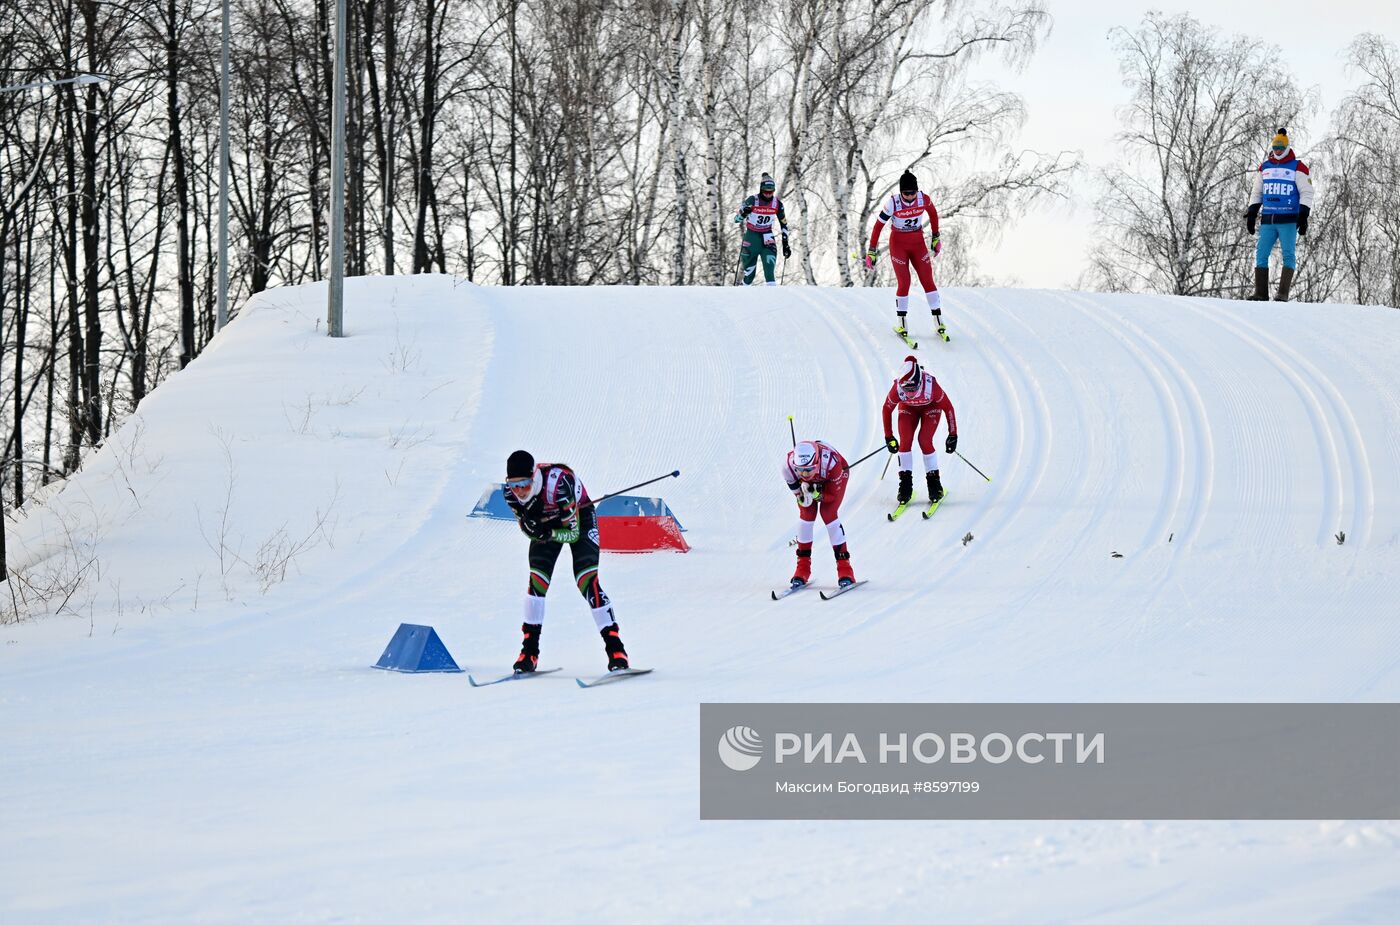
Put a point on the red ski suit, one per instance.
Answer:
(907, 239)
(831, 476)
(922, 405)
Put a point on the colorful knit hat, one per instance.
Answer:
(767, 184)
(1281, 139)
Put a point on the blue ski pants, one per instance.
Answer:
(1287, 237)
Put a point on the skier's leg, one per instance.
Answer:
(922, 261)
(832, 496)
(585, 554)
(907, 424)
(806, 524)
(542, 559)
(927, 429)
(770, 260)
(928, 424)
(752, 249)
(900, 261)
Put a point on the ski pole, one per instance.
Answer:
(974, 468)
(887, 467)
(872, 453)
(669, 475)
(792, 430)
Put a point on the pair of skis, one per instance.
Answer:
(828, 595)
(926, 513)
(903, 334)
(608, 678)
(825, 595)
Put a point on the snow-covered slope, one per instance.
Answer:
(204, 740)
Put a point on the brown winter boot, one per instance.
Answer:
(1261, 285)
(1285, 282)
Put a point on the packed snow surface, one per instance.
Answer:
(198, 736)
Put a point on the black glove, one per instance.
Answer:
(787, 251)
(952, 445)
(534, 529)
(1250, 216)
(1303, 220)
(746, 210)
(891, 444)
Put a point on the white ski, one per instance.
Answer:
(513, 676)
(613, 676)
(779, 595)
(839, 591)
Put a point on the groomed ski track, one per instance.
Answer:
(201, 741)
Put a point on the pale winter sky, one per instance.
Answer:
(1072, 88)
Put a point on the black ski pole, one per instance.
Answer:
(868, 455)
(792, 430)
(974, 468)
(669, 475)
(887, 467)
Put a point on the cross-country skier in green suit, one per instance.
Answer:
(758, 215)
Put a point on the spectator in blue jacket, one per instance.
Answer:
(1280, 204)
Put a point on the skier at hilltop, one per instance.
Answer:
(906, 212)
(1280, 203)
(553, 509)
(817, 475)
(758, 215)
(921, 403)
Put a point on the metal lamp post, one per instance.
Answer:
(81, 80)
(335, 309)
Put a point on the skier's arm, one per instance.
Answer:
(891, 401)
(567, 530)
(795, 485)
(879, 227)
(527, 521)
(932, 215)
(744, 211)
(945, 404)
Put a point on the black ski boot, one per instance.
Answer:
(906, 486)
(612, 643)
(935, 487)
(529, 649)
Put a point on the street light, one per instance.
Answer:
(221, 317)
(335, 309)
(82, 80)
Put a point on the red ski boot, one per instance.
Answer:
(804, 565)
(845, 575)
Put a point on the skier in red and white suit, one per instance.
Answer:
(921, 403)
(817, 475)
(905, 212)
